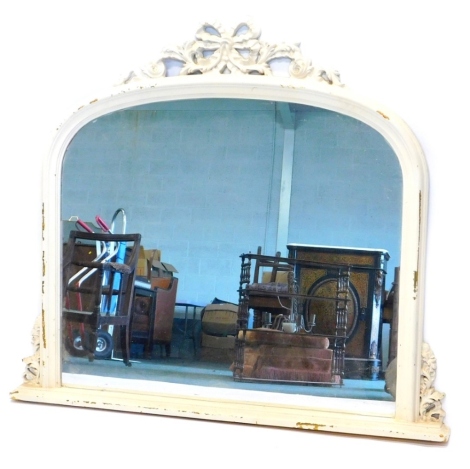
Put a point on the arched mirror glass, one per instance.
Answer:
(279, 220)
(206, 180)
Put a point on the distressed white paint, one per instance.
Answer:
(309, 86)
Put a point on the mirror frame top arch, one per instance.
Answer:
(235, 63)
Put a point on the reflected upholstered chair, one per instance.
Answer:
(269, 275)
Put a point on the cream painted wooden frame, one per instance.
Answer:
(235, 63)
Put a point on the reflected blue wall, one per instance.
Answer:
(200, 180)
(347, 185)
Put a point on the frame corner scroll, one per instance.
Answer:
(430, 406)
(32, 363)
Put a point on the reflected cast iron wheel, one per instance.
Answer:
(74, 346)
(104, 345)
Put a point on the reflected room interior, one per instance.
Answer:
(305, 203)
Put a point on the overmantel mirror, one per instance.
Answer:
(245, 234)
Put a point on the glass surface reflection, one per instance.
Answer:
(204, 181)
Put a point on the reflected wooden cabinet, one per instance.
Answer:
(365, 308)
(154, 311)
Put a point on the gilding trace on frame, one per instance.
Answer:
(218, 53)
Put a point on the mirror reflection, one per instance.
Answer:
(268, 254)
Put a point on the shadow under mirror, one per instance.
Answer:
(269, 248)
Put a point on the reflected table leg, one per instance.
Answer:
(192, 336)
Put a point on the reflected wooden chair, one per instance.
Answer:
(269, 275)
(98, 293)
(268, 353)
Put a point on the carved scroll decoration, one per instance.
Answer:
(219, 50)
(430, 406)
(32, 372)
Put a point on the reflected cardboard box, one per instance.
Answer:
(149, 265)
(217, 342)
(146, 258)
(217, 349)
(162, 274)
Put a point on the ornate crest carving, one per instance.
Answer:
(430, 406)
(239, 50)
(31, 373)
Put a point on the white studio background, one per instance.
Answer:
(410, 55)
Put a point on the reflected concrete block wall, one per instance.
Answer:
(200, 181)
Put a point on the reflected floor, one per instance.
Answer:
(214, 374)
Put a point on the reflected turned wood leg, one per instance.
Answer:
(257, 318)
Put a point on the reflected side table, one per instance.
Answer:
(187, 307)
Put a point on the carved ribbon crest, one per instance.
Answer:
(219, 50)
